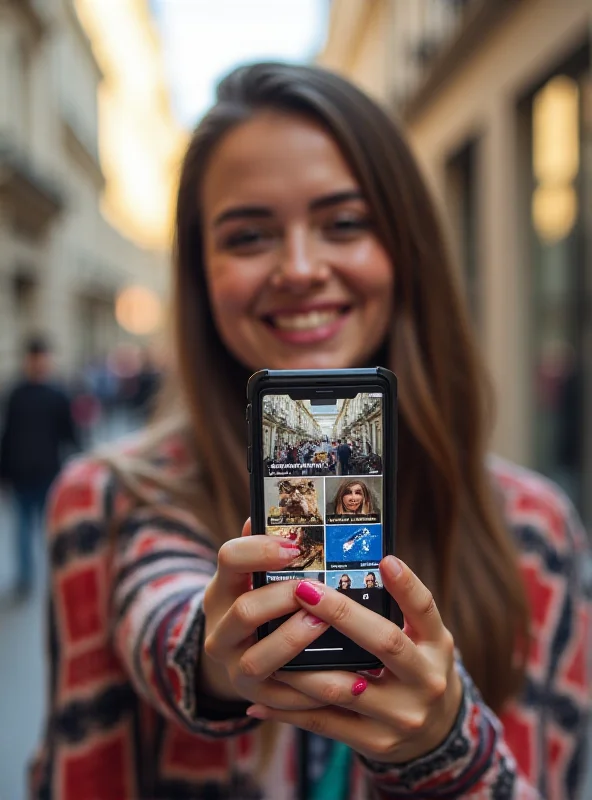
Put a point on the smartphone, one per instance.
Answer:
(322, 457)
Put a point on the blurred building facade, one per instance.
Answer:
(360, 420)
(62, 261)
(496, 99)
(287, 423)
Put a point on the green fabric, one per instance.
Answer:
(334, 783)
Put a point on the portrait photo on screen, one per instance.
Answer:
(354, 579)
(353, 500)
(309, 539)
(358, 546)
(294, 501)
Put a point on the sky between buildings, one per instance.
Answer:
(204, 39)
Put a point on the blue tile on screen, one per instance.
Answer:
(358, 546)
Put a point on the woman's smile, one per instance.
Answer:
(308, 325)
(352, 502)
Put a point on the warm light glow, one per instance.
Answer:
(554, 211)
(138, 310)
(556, 158)
(141, 144)
(556, 145)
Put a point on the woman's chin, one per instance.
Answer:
(320, 355)
(309, 359)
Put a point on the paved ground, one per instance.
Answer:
(22, 664)
(22, 675)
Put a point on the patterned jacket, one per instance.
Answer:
(126, 720)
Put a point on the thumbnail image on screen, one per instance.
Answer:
(310, 540)
(353, 500)
(294, 501)
(357, 545)
(319, 437)
(354, 579)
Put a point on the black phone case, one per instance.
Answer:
(280, 381)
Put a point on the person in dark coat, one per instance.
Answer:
(37, 431)
(343, 456)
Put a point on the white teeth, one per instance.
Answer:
(302, 322)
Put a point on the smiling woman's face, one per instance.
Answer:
(296, 274)
(353, 497)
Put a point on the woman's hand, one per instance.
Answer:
(407, 711)
(234, 664)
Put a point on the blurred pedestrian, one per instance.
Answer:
(37, 431)
(146, 387)
(305, 237)
(87, 411)
(344, 453)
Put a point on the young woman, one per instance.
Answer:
(353, 497)
(305, 238)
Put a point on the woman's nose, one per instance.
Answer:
(299, 267)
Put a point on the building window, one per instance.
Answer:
(462, 202)
(25, 296)
(560, 282)
(20, 89)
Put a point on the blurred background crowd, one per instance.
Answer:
(96, 101)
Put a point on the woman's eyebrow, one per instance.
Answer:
(242, 212)
(335, 198)
(264, 212)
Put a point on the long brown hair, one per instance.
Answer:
(450, 527)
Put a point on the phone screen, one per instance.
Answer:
(323, 489)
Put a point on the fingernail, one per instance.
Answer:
(309, 593)
(256, 712)
(289, 551)
(310, 619)
(359, 686)
(393, 565)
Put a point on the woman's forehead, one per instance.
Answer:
(271, 160)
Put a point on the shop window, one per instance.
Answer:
(559, 283)
(462, 203)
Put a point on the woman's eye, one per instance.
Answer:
(347, 227)
(246, 239)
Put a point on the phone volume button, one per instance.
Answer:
(249, 458)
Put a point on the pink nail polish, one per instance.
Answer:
(255, 712)
(310, 619)
(309, 593)
(289, 551)
(359, 686)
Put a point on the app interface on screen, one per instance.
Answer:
(323, 489)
